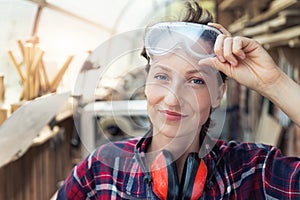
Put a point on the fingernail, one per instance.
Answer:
(221, 58)
(232, 63)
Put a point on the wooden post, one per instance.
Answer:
(2, 89)
(18, 67)
(58, 77)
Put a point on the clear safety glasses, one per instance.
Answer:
(196, 40)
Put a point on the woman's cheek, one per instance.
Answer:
(151, 93)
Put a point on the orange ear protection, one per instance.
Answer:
(165, 180)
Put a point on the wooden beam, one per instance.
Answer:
(230, 4)
(288, 37)
(276, 24)
(43, 4)
(238, 24)
(253, 6)
(275, 7)
(36, 20)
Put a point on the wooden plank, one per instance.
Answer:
(35, 175)
(234, 4)
(41, 173)
(27, 176)
(297, 74)
(255, 108)
(64, 114)
(291, 56)
(2, 180)
(275, 8)
(238, 24)
(285, 35)
(297, 145)
(231, 4)
(278, 23)
(292, 43)
(46, 166)
(225, 18)
(44, 136)
(258, 6)
(58, 77)
(267, 124)
(52, 168)
(11, 188)
(18, 180)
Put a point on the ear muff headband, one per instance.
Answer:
(164, 176)
(193, 177)
(165, 181)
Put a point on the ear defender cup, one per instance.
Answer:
(193, 177)
(165, 181)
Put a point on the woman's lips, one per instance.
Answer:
(172, 116)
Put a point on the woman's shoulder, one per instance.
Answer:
(248, 149)
(243, 146)
(123, 148)
(107, 154)
(249, 152)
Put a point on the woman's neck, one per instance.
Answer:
(178, 147)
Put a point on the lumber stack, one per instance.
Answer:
(32, 71)
(276, 25)
(272, 23)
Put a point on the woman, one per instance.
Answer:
(175, 160)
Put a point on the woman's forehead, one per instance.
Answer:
(179, 56)
(180, 61)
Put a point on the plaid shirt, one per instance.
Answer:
(235, 171)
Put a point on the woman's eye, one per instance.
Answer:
(160, 77)
(198, 81)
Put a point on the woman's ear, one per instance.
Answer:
(221, 90)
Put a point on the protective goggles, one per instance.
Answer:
(195, 39)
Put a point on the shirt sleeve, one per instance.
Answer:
(281, 175)
(79, 184)
(257, 171)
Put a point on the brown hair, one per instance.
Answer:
(194, 13)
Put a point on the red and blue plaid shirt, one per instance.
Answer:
(235, 171)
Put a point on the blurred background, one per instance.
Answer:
(92, 48)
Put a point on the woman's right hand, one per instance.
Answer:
(244, 60)
(247, 62)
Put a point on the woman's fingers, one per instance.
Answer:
(228, 48)
(224, 50)
(223, 45)
(217, 64)
(237, 48)
(227, 51)
(221, 28)
(219, 47)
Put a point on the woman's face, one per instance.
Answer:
(180, 95)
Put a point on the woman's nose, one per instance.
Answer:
(173, 97)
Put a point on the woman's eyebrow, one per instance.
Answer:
(162, 67)
(201, 70)
(188, 73)
(195, 71)
(198, 72)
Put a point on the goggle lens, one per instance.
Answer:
(196, 39)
